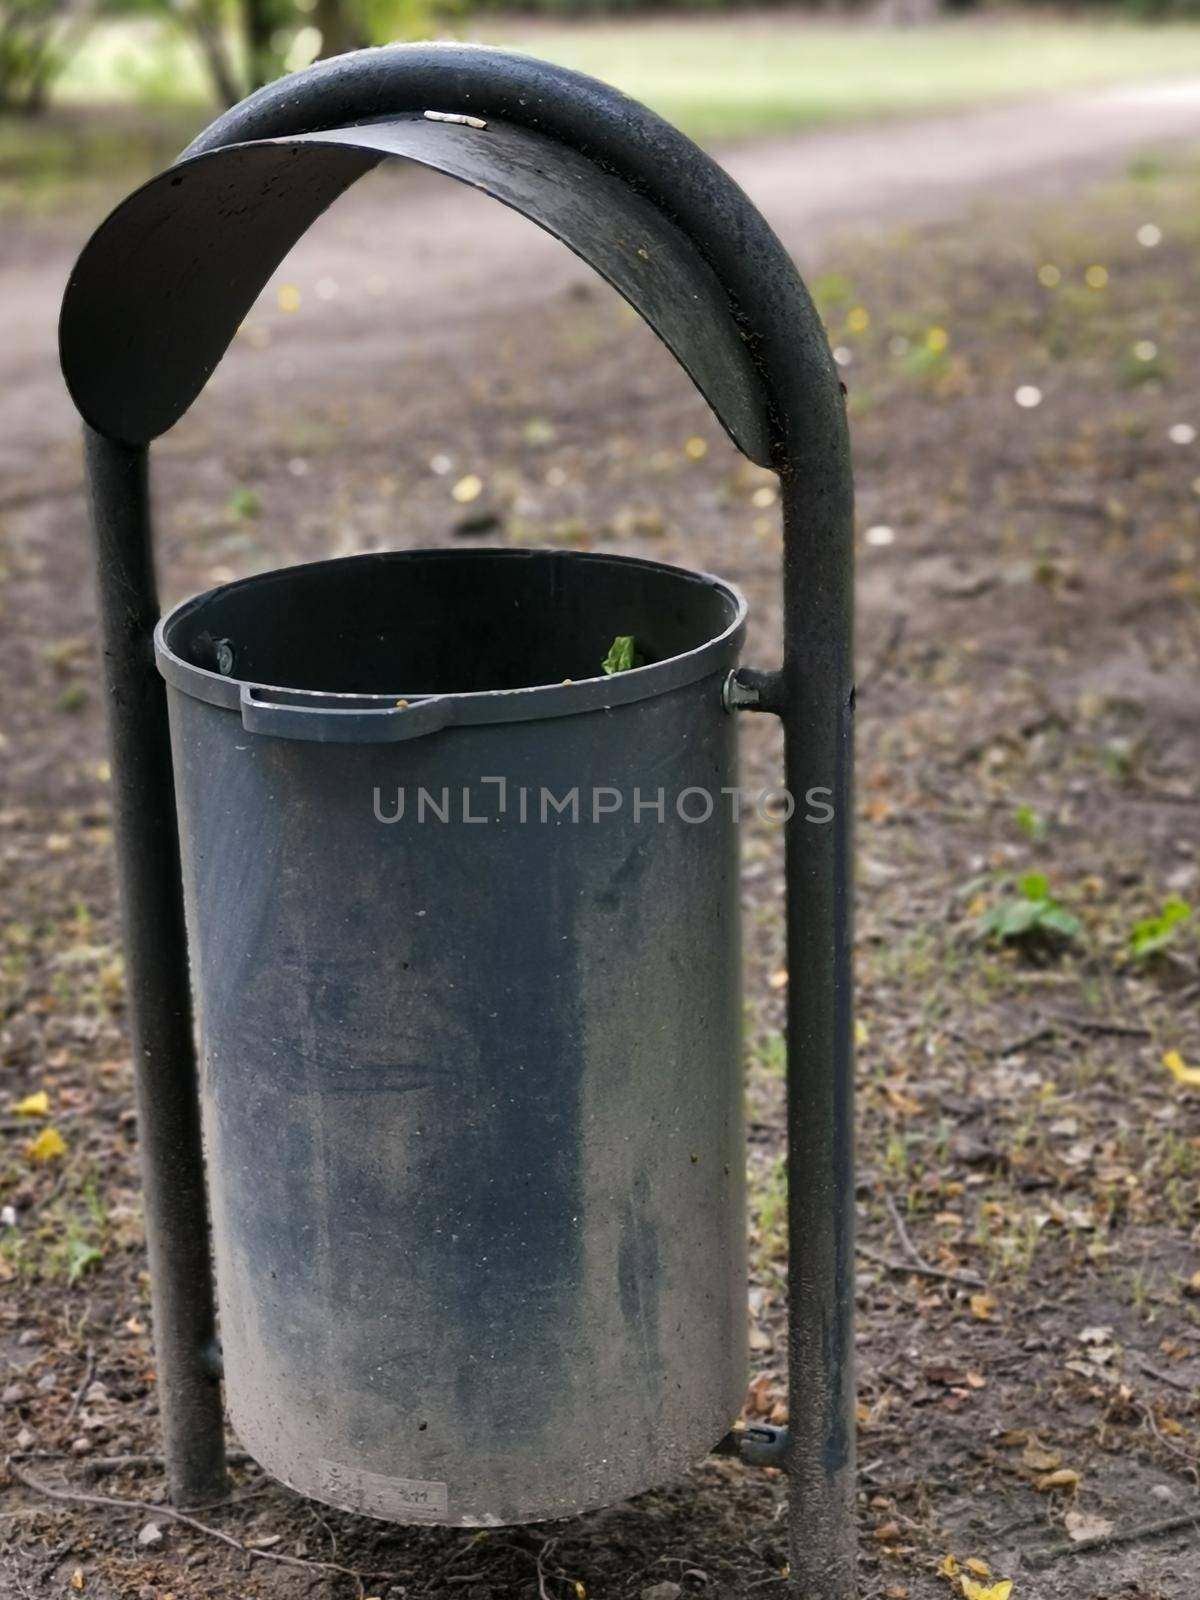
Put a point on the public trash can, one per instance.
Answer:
(465, 954)
(462, 905)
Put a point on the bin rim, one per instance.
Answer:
(330, 716)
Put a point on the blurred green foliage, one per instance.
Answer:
(36, 37)
(724, 71)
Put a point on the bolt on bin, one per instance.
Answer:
(431, 923)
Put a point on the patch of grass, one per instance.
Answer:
(769, 1214)
(1177, 1158)
(1141, 363)
(729, 76)
(734, 76)
(769, 1055)
(897, 1157)
(243, 505)
(1030, 822)
(1151, 935)
(136, 61)
(47, 163)
(1007, 1239)
(146, 92)
(62, 1246)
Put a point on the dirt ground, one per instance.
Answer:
(1029, 1178)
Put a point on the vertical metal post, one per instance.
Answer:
(818, 714)
(156, 972)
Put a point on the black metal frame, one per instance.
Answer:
(144, 324)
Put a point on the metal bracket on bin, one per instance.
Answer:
(155, 299)
(748, 690)
(758, 1444)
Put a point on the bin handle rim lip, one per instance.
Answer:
(329, 716)
(330, 719)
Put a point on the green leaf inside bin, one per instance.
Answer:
(622, 655)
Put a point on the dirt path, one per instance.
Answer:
(445, 262)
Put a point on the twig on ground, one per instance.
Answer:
(908, 1269)
(872, 674)
(1128, 1030)
(1152, 1371)
(95, 1465)
(144, 1509)
(902, 1233)
(1167, 1444)
(1037, 1559)
(89, 1372)
(1166, 797)
(329, 1533)
(543, 1592)
(919, 1263)
(1026, 1040)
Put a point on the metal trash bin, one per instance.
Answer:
(521, 1164)
(466, 961)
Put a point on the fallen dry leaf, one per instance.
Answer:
(759, 1398)
(983, 1307)
(33, 1105)
(905, 1106)
(1086, 1525)
(981, 1591)
(1189, 1077)
(48, 1146)
(467, 489)
(1064, 1478)
(945, 1372)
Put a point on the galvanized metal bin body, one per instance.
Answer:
(471, 1088)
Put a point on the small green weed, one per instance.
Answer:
(1034, 915)
(1152, 935)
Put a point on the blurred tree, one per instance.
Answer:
(342, 25)
(246, 43)
(205, 21)
(36, 39)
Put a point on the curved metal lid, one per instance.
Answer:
(161, 287)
